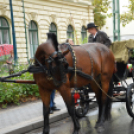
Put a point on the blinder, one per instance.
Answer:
(59, 57)
(60, 62)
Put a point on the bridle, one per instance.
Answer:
(58, 58)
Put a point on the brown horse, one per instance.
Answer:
(92, 59)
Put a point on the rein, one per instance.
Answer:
(76, 71)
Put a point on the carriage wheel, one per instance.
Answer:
(82, 109)
(130, 100)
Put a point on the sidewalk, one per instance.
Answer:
(23, 118)
(29, 116)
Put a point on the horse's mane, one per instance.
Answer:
(54, 40)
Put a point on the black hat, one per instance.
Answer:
(90, 25)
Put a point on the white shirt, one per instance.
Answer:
(95, 34)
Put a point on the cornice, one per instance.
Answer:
(63, 2)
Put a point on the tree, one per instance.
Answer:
(101, 11)
(129, 16)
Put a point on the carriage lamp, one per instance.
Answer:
(130, 67)
(119, 84)
(76, 97)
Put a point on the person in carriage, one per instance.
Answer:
(97, 36)
(70, 41)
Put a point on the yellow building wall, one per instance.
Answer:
(62, 12)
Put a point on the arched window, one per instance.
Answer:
(4, 31)
(70, 32)
(53, 28)
(33, 37)
(84, 34)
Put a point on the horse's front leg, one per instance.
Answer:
(45, 96)
(69, 101)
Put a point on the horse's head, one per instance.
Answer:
(48, 55)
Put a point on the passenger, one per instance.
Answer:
(9, 62)
(52, 103)
(70, 41)
(97, 36)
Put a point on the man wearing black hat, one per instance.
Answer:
(97, 36)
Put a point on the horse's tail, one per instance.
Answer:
(109, 100)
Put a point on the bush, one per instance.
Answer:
(12, 92)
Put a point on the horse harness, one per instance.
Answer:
(63, 70)
(73, 70)
(92, 63)
(49, 71)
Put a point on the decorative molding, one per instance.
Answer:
(70, 21)
(83, 22)
(33, 15)
(53, 18)
(3, 9)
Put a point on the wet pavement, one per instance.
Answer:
(120, 123)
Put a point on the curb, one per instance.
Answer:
(34, 123)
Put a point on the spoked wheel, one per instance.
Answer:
(130, 100)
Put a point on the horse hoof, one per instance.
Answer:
(75, 132)
(99, 124)
(100, 129)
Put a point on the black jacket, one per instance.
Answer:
(101, 37)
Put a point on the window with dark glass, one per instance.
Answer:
(33, 37)
(70, 32)
(84, 34)
(53, 28)
(4, 31)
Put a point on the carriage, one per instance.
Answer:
(123, 91)
(52, 65)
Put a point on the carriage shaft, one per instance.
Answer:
(19, 81)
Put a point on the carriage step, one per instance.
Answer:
(121, 98)
(119, 89)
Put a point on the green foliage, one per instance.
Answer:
(83, 41)
(133, 54)
(100, 11)
(129, 16)
(12, 93)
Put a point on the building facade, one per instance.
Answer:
(34, 18)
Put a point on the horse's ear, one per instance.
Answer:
(65, 52)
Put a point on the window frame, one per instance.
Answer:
(83, 32)
(50, 28)
(31, 31)
(2, 28)
(70, 32)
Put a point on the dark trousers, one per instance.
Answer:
(52, 99)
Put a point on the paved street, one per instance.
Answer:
(120, 123)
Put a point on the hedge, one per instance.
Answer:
(12, 92)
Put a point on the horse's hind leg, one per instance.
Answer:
(104, 99)
(98, 95)
(68, 99)
(45, 96)
(109, 101)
